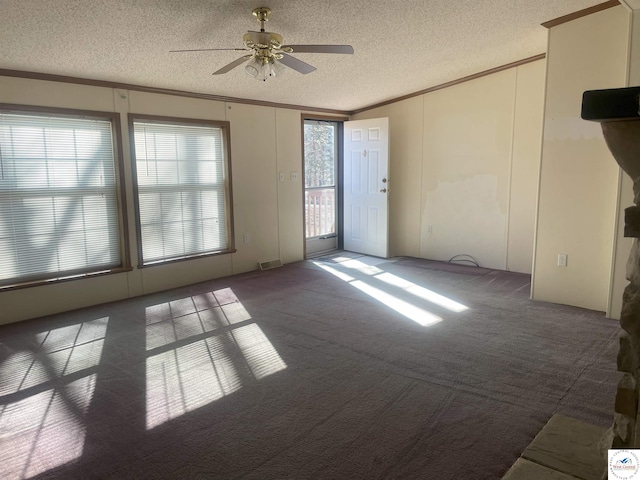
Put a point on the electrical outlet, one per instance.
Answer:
(429, 229)
(294, 176)
(562, 259)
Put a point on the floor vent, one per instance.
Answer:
(270, 264)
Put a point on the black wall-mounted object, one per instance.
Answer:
(611, 104)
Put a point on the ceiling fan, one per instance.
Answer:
(269, 57)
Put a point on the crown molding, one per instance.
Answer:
(581, 13)
(165, 91)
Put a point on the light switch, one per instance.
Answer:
(562, 259)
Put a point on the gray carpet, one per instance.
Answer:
(336, 368)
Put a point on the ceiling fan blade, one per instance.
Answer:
(210, 50)
(347, 49)
(232, 65)
(297, 65)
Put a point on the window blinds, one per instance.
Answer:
(58, 207)
(180, 172)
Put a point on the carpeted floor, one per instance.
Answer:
(336, 368)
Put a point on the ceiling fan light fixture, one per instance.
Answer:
(276, 68)
(262, 68)
(253, 67)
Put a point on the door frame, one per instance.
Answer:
(339, 176)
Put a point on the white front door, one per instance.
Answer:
(366, 185)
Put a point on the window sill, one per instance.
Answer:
(186, 259)
(50, 281)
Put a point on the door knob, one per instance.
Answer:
(384, 180)
(383, 190)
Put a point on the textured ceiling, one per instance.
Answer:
(400, 46)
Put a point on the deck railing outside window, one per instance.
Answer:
(320, 210)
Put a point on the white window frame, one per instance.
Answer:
(228, 245)
(47, 274)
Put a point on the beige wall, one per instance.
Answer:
(264, 140)
(634, 50)
(255, 202)
(578, 177)
(288, 157)
(467, 146)
(525, 165)
(467, 153)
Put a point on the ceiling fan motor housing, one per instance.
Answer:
(262, 40)
(264, 44)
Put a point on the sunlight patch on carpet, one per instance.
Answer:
(417, 314)
(184, 377)
(46, 430)
(421, 292)
(42, 412)
(409, 310)
(365, 267)
(262, 359)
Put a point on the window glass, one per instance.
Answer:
(319, 154)
(320, 159)
(58, 201)
(181, 173)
